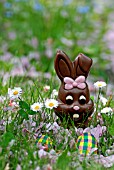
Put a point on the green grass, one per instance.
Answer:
(23, 151)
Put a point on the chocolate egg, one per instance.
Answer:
(86, 143)
(45, 141)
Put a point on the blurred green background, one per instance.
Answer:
(31, 31)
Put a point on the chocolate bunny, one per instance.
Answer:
(73, 97)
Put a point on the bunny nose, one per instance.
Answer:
(76, 107)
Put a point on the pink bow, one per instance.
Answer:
(78, 82)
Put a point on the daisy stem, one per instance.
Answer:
(16, 116)
(19, 98)
(97, 104)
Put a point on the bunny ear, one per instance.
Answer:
(82, 65)
(63, 65)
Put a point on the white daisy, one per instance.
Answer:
(107, 110)
(100, 84)
(103, 100)
(14, 93)
(36, 106)
(51, 103)
(46, 88)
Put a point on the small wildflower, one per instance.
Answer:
(46, 88)
(13, 104)
(54, 93)
(42, 153)
(2, 99)
(104, 129)
(18, 167)
(14, 93)
(100, 84)
(51, 103)
(103, 100)
(48, 167)
(11, 143)
(106, 110)
(9, 120)
(37, 168)
(36, 106)
(55, 127)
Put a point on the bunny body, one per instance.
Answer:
(73, 97)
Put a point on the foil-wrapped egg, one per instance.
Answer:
(86, 144)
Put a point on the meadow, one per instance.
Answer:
(31, 32)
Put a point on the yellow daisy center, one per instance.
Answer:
(51, 104)
(100, 84)
(15, 92)
(37, 107)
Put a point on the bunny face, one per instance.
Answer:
(73, 97)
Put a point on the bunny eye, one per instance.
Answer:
(69, 99)
(82, 99)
